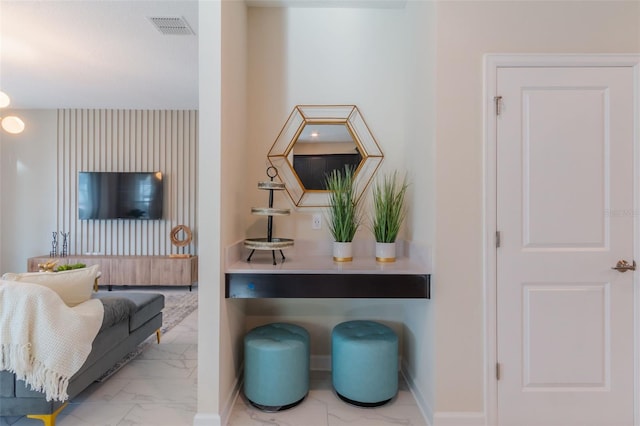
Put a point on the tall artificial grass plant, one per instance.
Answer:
(344, 215)
(389, 209)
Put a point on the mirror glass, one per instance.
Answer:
(320, 149)
(317, 139)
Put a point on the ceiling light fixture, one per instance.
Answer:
(10, 123)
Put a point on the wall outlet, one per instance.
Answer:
(316, 221)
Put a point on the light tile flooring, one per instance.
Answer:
(159, 389)
(322, 407)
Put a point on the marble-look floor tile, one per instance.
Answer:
(150, 369)
(184, 327)
(404, 397)
(390, 414)
(322, 390)
(165, 351)
(324, 396)
(194, 374)
(191, 352)
(191, 319)
(159, 391)
(93, 413)
(307, 413)
(141, 391)
(102, 391)
(188, 336)
(160, 415)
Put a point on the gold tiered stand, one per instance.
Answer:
(270, 242)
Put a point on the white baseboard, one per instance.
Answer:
(233, 396)
(203, 419)
(320, 363)
(421, 400)
(461, 418)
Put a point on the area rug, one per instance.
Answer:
(177, 306)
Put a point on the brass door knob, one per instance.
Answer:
(624, 266)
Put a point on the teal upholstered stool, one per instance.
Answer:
(276, 366)
(364, 358)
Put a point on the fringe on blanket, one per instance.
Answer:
(17, 359)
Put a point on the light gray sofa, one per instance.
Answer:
(130, 318)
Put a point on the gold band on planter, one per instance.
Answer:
(385, 259)
(342, 259)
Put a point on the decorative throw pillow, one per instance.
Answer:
(73, 287)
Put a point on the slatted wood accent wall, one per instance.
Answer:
(128, 141)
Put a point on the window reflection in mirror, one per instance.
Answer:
(321, 148)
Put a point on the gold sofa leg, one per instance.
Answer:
(95, 283)
(48, 419)
(158, 334)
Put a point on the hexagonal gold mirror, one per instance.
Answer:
(317, 139)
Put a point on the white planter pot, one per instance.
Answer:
(385, 252)
(342, 252)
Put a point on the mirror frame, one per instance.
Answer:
(281, 153)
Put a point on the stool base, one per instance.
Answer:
(362, 404)
(275, 408)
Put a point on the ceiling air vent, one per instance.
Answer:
(171, 25)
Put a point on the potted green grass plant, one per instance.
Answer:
(389, 211)
(344, 214)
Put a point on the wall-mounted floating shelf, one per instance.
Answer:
(316, 275)
(320, 285)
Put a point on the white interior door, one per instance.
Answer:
(565, 333)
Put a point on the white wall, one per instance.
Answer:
(322, 56)
(465, 32)
(28, 187)
(233, 184)
(41, 165)
(419, 322)
(210, 319)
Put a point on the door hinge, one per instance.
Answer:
(498, 101)
(497, 371)
(497, 239)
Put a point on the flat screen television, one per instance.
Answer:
(120, 195)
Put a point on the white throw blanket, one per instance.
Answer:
(42, 340)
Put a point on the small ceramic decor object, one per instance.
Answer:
(389, 211)
(344, 212)
(270, 242)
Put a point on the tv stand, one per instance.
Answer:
(133, 270)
